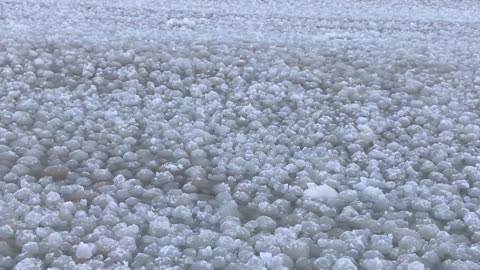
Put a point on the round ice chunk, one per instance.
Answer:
(372, 194)
(201, 265)
(29, 264)
(374, 264)
(169, 252)
(101, 175)
(160, 226)
(55, 239)
(145, 175)
(58, 172)
(22, 118)
(266, 223)
(163, 178)
(322, 193)
(297, 249)
(413, 86)
(344, 264)
(6, 231)
(85, 250)
(415, 266)
(443, 212)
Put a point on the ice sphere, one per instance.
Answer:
(162, 178)
(382, 243)
(184, 22)
(196, 172)
(101, 175)
(142, 259)
(131, 230)
(88, 70)
(323, 193)
(145, 175)
(106, 245)
(189, 188)
(130, 156)
(6, 231)
(31, 248)
(127, 243)
(82, 266)
(416, 265)
(58, 172)
(20, 169)
(413, 86)
(375, 264)
(85, 250)
(128, 99)
(29, 264)
(227, 243)
(22, 118)
(201, 265)
(179, 154)
(324, 262)
(266, 223)
(160, 226)
(29, 161)
(272, 262)
(445, 124)
(410, 244)
(297, 249)
(53, 198)
(32, 219)
(229, 208)
(63, 262)
(125, 58)
(303, 264)
(169, 251)
(372, 194)
(55, 239)
(443, 212)
(203, 239)
(27, 105)
(79, 155)
(472, 220)
(344, 264)
(11, 177)
(182, 212)
(8, 156)
(52, 219)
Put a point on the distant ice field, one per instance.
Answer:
(276, 135)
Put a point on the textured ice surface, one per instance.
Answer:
(213, 135)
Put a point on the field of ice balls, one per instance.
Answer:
(236, 156)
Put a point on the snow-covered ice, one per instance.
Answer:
(211, 135)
